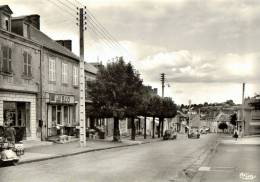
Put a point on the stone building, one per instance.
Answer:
(39, 78)
(19, 78)
(251, 122)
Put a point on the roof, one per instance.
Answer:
(90, 68)
(25, 17)
(48, 43)
(6, 8)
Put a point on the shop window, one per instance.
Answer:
(75, 76)
(27, 64)
(52, 70)
(7, 59)
(53, 114)
(58, 114)
(64, 74)
(66, 114)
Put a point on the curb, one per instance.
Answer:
(81, 152)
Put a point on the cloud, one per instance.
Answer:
(187, 67)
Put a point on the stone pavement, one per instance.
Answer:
(232, 161)
(247, 140)
(37, 152)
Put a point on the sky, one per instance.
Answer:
(207, 49)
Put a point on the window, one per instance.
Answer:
(64, 74)
(75, 75)
(7, 59)
(52, 70)
(5, 22)
(27, 68)
(26, 30)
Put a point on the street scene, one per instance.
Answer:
(140, 90)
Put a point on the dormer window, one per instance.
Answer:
(5, 17)
(5, 22)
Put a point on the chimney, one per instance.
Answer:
(65, 43)
(34, 20)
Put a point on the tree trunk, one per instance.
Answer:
(116, 133)
(162, 125)
(144, 127)
(133, 128)
(159, 129)
(153, 126)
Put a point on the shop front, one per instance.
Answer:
(61, 115)
(19, 110)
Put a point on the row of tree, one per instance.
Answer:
(118, 92)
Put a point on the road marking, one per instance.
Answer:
(216, 169)
(204, 168)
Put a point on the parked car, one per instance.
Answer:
(193, 133)
(169, 135)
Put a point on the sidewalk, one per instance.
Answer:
(232, 161)
(247, 140)
(52, 150)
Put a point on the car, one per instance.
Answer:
(169, 135)
(193, 134)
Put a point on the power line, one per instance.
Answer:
(102, 27)
(61, 8)
(68, 7)
(102, 34)
(95, 31)
(71, 3)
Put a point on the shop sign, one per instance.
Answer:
(65, 99)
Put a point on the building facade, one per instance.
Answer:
(19, 79)
(39, 79)
(251, 121)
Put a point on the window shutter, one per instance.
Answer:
(10, 60)
(5, 59)
(54, 70)
(29, 65)
(50, 69)
(25, 63)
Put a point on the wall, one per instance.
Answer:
(16, 81)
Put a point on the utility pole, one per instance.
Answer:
(82, 116)
(243, 107)
(163, 81)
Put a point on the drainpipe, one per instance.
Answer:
(41, 93)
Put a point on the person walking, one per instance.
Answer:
(236, 134)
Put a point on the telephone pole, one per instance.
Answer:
(82, 116)
(163, 82)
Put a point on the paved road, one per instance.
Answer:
(159, 161)
(232, 163)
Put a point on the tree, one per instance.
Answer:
(144, 109)
(233, 119)
(115, 92)
(153, 109)
(223, 126)
(168, 109)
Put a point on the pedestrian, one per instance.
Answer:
(10, 133)
(236, 134)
